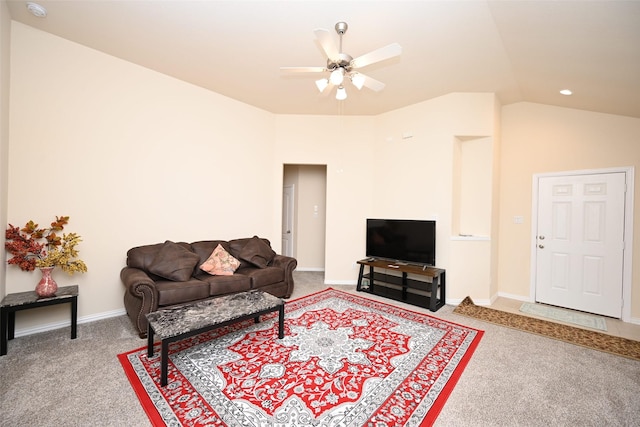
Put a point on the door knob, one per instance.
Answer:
(541, 246)
(541, 237)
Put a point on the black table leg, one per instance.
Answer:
(360, 275)
(433, 302)
(12, 324)
(3, 330)
(281, 322)
(149, 341)
(74, 318)
(164, 363)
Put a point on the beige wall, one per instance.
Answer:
(5, 37)
(417, 177)
(538, 139)
(135, 157)
(343, 144)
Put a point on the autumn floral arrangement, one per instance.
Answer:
(33, 247)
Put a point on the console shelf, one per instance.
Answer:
(414, 284)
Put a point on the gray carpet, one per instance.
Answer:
(513, 378)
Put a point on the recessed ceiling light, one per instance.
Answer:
(566, 92)
(37, 10)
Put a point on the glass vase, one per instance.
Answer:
(47, 287)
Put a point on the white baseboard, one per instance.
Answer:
(515, 297)
(309, 269)
(341, 282)
(65, 323)
(635, 320)
(457, 301)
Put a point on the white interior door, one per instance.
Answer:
(287, 220)
(580, 242)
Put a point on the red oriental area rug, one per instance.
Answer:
(345, 361)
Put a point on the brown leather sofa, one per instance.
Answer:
(166, 274)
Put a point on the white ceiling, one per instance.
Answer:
(521, 50)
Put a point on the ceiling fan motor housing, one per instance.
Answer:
(343, 61)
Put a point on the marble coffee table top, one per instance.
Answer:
(175, 321)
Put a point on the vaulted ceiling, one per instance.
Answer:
(520, 50)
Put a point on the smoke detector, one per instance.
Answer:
(36, 10)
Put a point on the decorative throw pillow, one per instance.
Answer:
(257, 252)
(220, 263)
(174, 262)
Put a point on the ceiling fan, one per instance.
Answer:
(341, 66)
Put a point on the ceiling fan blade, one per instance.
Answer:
(377, 55)
(373, 84)
(302, 69)
(329, 47)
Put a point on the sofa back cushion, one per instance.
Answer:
(258, 252)
(204, 249)
(167, 262)
(174, 262)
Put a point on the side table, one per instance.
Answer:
(25, 300)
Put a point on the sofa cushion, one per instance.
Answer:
(261, 277)
(222, 285)
(174, 262)
(257, 252)
(220, 263)
(170, 292)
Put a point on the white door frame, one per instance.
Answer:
(627, 257)
(291, 214)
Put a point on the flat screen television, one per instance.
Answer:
(411, 241)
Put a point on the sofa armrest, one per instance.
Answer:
(288, 264)
(140, 298)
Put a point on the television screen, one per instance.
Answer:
(412, 241)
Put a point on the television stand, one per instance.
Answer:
(413, 284)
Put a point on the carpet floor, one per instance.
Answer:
(345, 360)
(514, 378)
(578, 336)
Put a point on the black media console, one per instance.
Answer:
(414, 284)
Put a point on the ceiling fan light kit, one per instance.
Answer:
(322, 84)
(337, 76)
(341, 65)
(358, 80)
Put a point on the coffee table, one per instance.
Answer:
(177, 323)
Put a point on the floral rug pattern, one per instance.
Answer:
(345, 361)
(578, 336)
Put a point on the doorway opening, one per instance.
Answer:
(304, 196)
